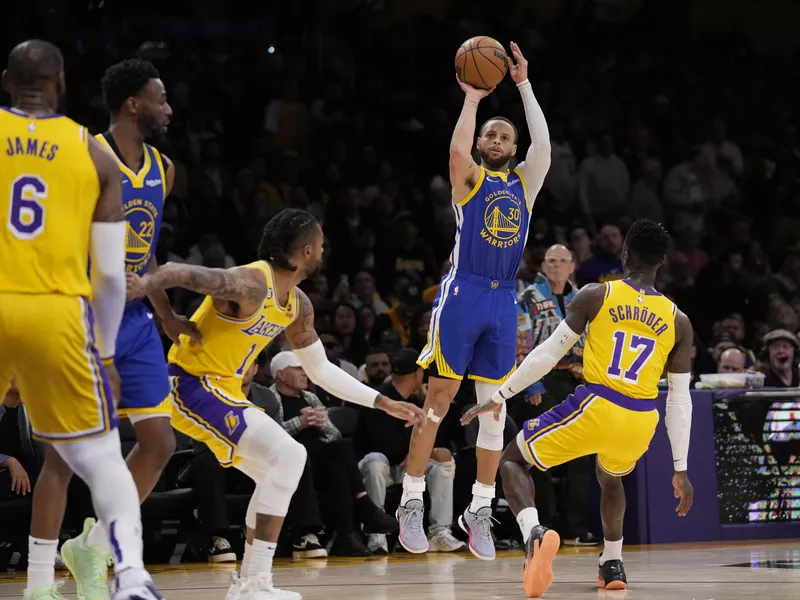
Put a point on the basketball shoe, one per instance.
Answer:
(478, 525)
(540, 550)
(88, 565)
(44, 592)
(261, 588)
(612, 576)
(412, 534)
(134, 584)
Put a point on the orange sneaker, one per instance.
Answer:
(540, 550)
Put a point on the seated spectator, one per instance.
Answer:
(348, 327)
(377, 367)
(20, 456)
(383, 444)
(332, 459)
(333, 349)
(781, 347)
(399, 316)
(732, 360)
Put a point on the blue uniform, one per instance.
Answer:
(140, 357)
(474, 318)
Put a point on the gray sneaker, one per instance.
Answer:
(479, 528)
(412, 534)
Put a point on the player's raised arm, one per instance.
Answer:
(679, 410)
(545, 356)
(537, 159)
(464, 170)
(107, 251)
(308, 348)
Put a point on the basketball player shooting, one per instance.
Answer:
(635, 332)
(246, 308)
(474, 318)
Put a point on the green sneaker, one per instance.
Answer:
(88, 565)
(44, 592)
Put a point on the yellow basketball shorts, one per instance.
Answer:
(593, 420)
(47, 344)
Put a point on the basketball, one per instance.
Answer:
(481, 62)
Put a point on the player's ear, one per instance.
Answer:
(514, 150)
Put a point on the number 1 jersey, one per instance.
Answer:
(629, 341)
(48, 193)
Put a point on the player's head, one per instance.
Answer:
(133, 90)
(35, 70)
(645, 247)
(293, 241)
(497, 142)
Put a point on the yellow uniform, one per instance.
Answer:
(207, 380)
(48, 192)
(614, 414)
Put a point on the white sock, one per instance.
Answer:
(98, 536)
(611, 551)
(261, 556)
(527, 519)
(41, 562)
(413, 487)
(483, 497)
(248, 550)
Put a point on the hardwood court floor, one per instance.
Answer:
(672, 572)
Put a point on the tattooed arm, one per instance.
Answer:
(243, 286)
(305, 342)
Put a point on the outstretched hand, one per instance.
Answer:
(519, 71)
(405, 411)
(473, 92)
(178, 325)
(480, 409)
(684, 491)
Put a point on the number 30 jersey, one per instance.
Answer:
(48, 193)
(629, 341)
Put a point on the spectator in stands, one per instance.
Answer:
(384, 449)
(348, 327)
(377, 367)
(732, 360)
(332, 459)
(364, 293)
(20, 456)
(781, 347)
(420, 326)
(605, 265)
(604, 183)
(399, 316)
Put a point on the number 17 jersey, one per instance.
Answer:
(629, 341)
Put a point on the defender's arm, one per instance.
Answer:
(238, 284)
(546, 355)
(679, 401)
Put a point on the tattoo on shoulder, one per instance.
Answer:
(301, 333)
(228, 284)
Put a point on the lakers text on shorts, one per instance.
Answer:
(593, 420)
(473, 325)
(47, 344)
(210, 412)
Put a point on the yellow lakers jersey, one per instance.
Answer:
(629, 341)
(231, 345)
(48, 193)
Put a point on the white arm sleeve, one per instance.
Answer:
(679, 418)
(539, 362)
(108, 282)
(537, 159)
(331, 378)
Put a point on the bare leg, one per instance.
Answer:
(50, 496)
(488, 462)
(441, 392)
(612, 504)
(155, 446)
(517, 483)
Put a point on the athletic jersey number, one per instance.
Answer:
(26, 211)
(640, 345)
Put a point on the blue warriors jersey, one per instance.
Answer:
(143, 196)
(492, 226)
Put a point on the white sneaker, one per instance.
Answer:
(134, 584)
(444, 541)
(236, 586)
(261, 588)
(376, 543)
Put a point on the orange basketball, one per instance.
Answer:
(481, 62)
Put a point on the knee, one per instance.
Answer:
(439, 401)
(158, 448)
(490, 432)
(606, 481)
(441, 455)
(294, 455)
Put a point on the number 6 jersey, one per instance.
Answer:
(630, 339)
(48, 193)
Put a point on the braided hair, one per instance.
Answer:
(284, 234)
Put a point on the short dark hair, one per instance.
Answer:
(647, 242)
(284, 234)
(124, 80)
(514, 127)
(34, 62)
